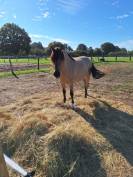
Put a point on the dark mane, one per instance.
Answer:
(71, 57)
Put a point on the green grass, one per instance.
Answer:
(48, 61)
(21, 72)
(113, 59)
(26, 60)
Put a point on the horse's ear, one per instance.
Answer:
(52, 49)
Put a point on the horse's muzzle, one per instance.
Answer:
(57, 74)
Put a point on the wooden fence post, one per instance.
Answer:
(116, 58)
(130, 57)
(38, 65)
(3, 168)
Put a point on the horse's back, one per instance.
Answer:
(80, 67)
(76, 69)
(83, 59)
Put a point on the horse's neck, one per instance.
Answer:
(67, 60)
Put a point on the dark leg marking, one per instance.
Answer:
(86, 92)
(64, 94)
(71, 94)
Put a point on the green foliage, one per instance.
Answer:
(37, 49)
(107, 47)
(90, 52)
(82, 48)
(97, 52)
(53, 44)
(118, 53)
(13, 40)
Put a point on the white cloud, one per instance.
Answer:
(14, 16)
(41, 17)
(115, 3)
(2, 14)
(37, 37)
(37, 18)
(120, 17)
(71, 6)
(45, 14)
(126, 44)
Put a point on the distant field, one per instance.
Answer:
(21, 72)
(113, 59)
(48, 61)
(26, 60)
(27, 66)
(24, 66)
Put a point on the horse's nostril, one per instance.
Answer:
(57, 74)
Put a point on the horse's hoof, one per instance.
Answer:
(73, 106)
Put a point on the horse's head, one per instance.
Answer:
(57, 58)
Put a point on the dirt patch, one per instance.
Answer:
(12, 89)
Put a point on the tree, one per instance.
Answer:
(107, 47)
(56, 44)
(82, 48)
(14, 40)
(37, 49)
(90, 51)
(37, 45)
(53, 44)
(68, 48)
(97, 52)
(117, 49)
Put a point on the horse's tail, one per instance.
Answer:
(97, 74)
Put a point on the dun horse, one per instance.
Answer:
(71, 70)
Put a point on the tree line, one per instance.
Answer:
(15, 41)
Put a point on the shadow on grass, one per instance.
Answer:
(116, 126)
(73, 157)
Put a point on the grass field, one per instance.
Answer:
(26, 60)
(22, 72)
(46, 62)
(113, 59)
(21, 66)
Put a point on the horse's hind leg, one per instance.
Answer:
(86, 85)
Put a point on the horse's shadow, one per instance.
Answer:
(114, 125)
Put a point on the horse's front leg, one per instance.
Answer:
(86, 88)
(64, 92)
(72, 94)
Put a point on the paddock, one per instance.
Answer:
(59, 141)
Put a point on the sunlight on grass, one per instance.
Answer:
(26, 60)
(21, 72)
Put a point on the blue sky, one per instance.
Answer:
(91, 22)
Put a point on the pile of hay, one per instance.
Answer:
(95, 140)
